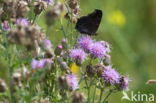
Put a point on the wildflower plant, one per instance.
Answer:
(39, 71)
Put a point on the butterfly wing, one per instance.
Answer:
(90, 23)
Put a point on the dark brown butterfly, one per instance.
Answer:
(89, 24)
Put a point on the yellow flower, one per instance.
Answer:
(117, 18)
(74, 68)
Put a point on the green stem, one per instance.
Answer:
(10, 71)
(110, 92)
(94, 94)
(34, 19)
(63, 31)
(101, 93)
(88, 90)
(75, 40)
(89, 94)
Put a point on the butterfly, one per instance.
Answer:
(89, 24)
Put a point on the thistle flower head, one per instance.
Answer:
(97, 50)
(40, 5)
(54, 13)
(110, 75)
(106, 45)
(85, 42)
(75, 10)
(78, 98)
(124, 83)
(39, 64)
(58, 50)
(47, 44)
(77, 55)
(17, 77)
(64, 43)
(22, 22)
(22, 8)
(5, 25)
(3, 86)
(72, 81)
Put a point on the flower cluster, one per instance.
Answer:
(93, 48)
(14, 9)
(26, 35)
(74, 10)
(100, 50)
(62, 71)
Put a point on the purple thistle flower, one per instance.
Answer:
(72, 81)
(110, 75)
(124, 83)
(106, 45)
(39, 64)
(5, 26)
(47, 44)
(48, 61)
(85, 42)
(48, 1)
(22, 22)
(98, 50)
(78, 55)
(64, 41)
(60, 47)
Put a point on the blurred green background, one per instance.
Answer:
(130, 27)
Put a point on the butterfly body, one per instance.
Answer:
(89, 24)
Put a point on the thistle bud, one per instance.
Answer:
(99, 69)
(72, 3)
(22, 9)
(25, 73)
(63, 65)
(9, 10)
(75, 9)
(78, 98)
(45, 100)
(54, 13)
(5, 26)
(17, 79)
(40, 5)
(62, 82)
(2, 86)
(28, 1)
(90, 70)
(58, 50)
(107, 60)
(64, 44)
